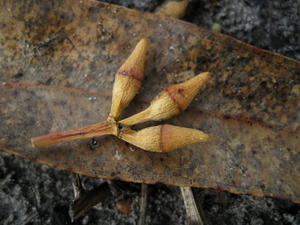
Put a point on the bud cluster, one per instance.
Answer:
(171, 101)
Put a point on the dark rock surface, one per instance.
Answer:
(272, 25)
(35, 194)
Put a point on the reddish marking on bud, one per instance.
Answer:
(131, 73)
(180, 90)
(173, 97)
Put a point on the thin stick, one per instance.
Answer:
(88, 199)
(192, 212)
(95, 130)
(143, 204)
(77, 186)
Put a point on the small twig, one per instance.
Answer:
(192, 211)
(77, 186)
(87, 199)
(201, 211)
(143, 204)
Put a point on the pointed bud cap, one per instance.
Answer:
(163, 138)
(182, 94)
(134, 64)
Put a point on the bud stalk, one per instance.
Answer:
(95, 130)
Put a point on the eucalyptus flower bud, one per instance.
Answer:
(173, 8)
(170, 101)
(163, 138)
(128, 79)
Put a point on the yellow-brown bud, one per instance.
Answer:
(173, 8)
(128, 79)
(170, 101)
(163, 138)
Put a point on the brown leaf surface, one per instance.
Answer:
(57, 67)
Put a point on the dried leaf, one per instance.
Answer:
(57, 67)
